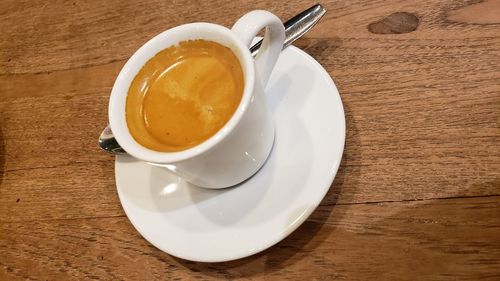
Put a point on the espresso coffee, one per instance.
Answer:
(184, 95)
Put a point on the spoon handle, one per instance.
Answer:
(297, 26)
(294, 29)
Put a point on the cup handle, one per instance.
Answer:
(247, 27)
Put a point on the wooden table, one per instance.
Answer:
(417, 196)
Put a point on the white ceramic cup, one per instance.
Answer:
(242, 145)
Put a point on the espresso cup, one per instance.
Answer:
(240, 148)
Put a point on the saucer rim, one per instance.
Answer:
(278, 236)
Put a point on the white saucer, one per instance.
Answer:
(199, 224)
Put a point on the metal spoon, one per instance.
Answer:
(294, 29)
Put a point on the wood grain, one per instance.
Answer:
(396, 23)
(433, 239)
(417, 195)
(468, 14)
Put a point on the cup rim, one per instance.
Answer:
(117, 101)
